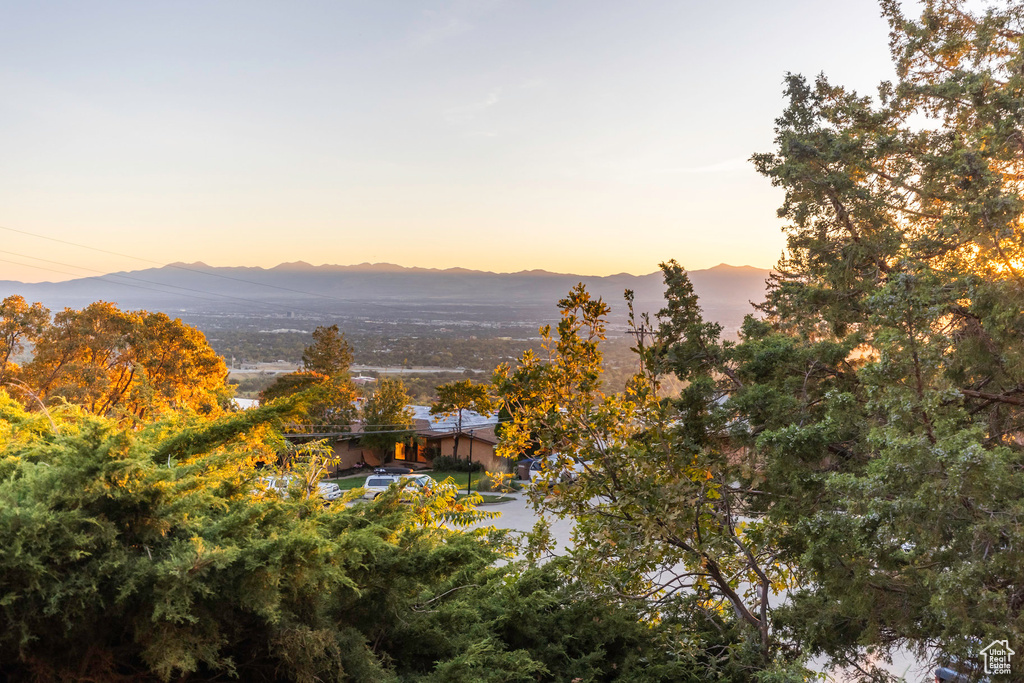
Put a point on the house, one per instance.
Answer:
(434, 436)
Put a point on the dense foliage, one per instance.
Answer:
(653, 488)
(111, 362)
(386, 416)
(883, 392)
(159, 554)
(541, 626)
(862, 442)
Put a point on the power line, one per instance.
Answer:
(418, 431)
(399, 428)
(172, 265)
(110, 282)
(137, 279)
(91, 277)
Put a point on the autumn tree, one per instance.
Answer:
(329, 354)
(180, 367)
(125, 363)
(454, 398)
(658, 504)
(20, 323)
(387, 418)
(328, 403)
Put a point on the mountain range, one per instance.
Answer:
(303, 290)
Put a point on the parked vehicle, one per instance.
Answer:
(280, 485)
(523, 468)
(413, 484)
(377, 484)
(541, 469)
(424, 482)
(329, 491)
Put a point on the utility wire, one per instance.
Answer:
(424, 431)
(404, 427)
(89, 277)
(93, 277)
(175, 266)
(287, 307)
(137, 279)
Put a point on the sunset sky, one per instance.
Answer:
(574, 136)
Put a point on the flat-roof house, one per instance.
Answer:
(434, 436)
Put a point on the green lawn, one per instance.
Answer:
(348, 483)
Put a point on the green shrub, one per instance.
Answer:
(447, 463)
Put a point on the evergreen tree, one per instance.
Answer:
(155, 554)
(658, 509)
(883, 394)
(861, 444)
(329, 354)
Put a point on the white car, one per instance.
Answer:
(541, 469)
(377, 484)
(281, 484)
(278, 484)
(329, 491)
(424, 482)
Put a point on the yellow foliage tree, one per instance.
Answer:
(123, 363)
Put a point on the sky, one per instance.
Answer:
(582, 136)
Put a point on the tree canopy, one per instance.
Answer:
(658, 506)
(387, 419)
(861, 443)
(157, 554)
(454, 398)
(329, 354)
(883, 389)
(111, 362)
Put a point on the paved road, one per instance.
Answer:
(518, 514)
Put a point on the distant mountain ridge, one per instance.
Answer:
(726, 291)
